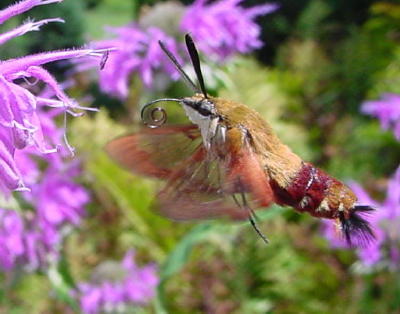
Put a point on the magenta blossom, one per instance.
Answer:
(54, 204)
(387, 110)
(58, 200)
(32, 153)
(32, 239)
(137, 51)
(12, 238)
(384, 222)
(222, 28)
(20, 125)
(131, 286)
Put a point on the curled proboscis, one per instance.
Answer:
(156, 120)
(157, 116)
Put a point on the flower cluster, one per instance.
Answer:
(220, 29)
(129, 286)
(223, 27)
(137, 51)
(20, 124)
(387, 110)
(33, 152)
(32, 239)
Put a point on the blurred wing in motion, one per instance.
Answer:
(199, 184)
(155, 152)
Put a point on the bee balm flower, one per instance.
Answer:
(127, 286)
(387, 110)
(20, 124)
(222, 28)
(137, 51)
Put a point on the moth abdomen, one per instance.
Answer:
(306, 192)
(314, 191)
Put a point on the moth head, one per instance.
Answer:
(200, 105)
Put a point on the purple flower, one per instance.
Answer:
(387, 110)
(32, 239)
(385, 223)
(59, 200)
(137, 51)
(20, 124)
(135, 287)
(11, 238)
(90, 301)
(32, 153)
(222, 28)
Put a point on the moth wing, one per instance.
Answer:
(195, 191)
(198, 184)
(246, 174)
(154, 152)
(205, 186)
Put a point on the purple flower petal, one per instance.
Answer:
(25, 28)
(136, 288)
(128, 261)
(16, 68)
(21, 7)
(90, 300)
(387, 110)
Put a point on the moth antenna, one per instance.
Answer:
(194, 56)
(355, 228)
(177, 65)
(155, 121)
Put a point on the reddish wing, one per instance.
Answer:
(199, 185)
(244, 168)
(155, 152)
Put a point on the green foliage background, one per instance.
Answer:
(321, 60)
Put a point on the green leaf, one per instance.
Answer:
(61, 282)
(134, 197)
(179, 257)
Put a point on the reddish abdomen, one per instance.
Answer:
(306, 192)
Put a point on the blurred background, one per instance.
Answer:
(324, 74)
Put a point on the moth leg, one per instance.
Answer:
(252, 216)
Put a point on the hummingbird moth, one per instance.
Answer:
(229, 162)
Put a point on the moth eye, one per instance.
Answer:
(205, 108)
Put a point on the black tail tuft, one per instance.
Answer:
(356, 230)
